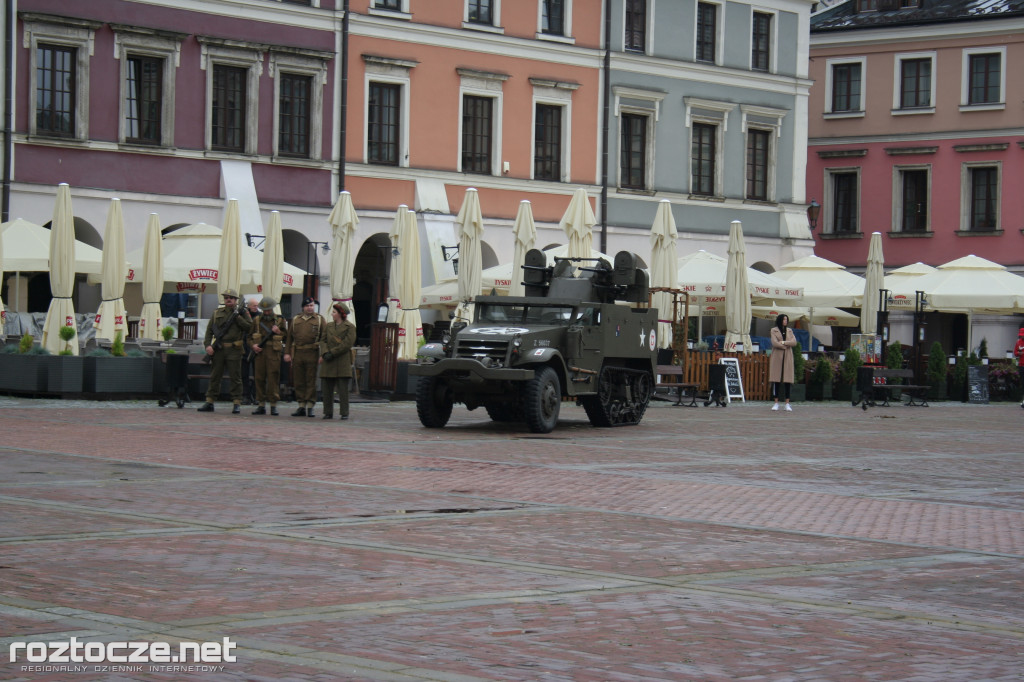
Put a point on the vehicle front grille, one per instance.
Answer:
(495, 349)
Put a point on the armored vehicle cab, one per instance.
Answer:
(566, 338)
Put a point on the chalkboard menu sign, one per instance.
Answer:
(977, 383)
(733, 380)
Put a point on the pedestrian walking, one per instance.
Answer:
(302, 350)
(336, 360)
(780, 365)
(223, 341)
(267, 344)
(1018, 352)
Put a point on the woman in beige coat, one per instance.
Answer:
(336, 360)
(780, 366)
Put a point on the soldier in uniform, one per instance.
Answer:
(302, 351)
(267, 343)
(336, 360)
(227, 327)
(248, 357)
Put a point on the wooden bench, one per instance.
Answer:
(671, 377)
(877, 387)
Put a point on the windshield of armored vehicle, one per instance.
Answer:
(524, 314)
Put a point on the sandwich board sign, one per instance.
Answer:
(733, 380)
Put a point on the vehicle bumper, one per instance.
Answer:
(468, 369)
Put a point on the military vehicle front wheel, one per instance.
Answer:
(433, 402)
(542, 398)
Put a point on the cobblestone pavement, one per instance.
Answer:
(705, 544)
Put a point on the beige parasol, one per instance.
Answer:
(3, 311)
(664, 271)
(410, 326)
(61, 312)
(471, 227)
(152, 281)
(110, 318)
(524, 231)
(394, 268)
(272, 272)
(874, 279)
(343, 220)
(737, 296)
(578, 224)
(229, 265)
(900, 281)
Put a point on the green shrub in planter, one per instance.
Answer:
(936, 372)
(67, 332)
(38, 350)
(168, 333)
(117, 347)
(26, 343)
(798, 364)
(894, 359)
(819, 386)
(848, 367)
(98, 353)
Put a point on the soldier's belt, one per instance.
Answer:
(311, 346)
(231, 344)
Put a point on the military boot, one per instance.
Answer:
(301, 412)
(260, 410)
(207, 407)
(273, 410)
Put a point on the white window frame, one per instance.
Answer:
(250, 58)
(567, 36)
(713, 113)
(773, 39)
(965, 79)
(301, 65)
(897, 87)
(897, 196)
(554, 93)
(828, 226)
(648, 103)
(78, 34)
(493, 27)
(401, 13)
(965, 193)
(762, 118)
(719, 29)
(392, 72)
(838, 61)
(484, 84)
(130, 43)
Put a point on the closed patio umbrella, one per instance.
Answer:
(152, 280)
(110, 318)
(409, 322)
(524, 231)
(578, 224)
(61, 312)
(663, 269)
(3, 311)
(737, 296)
(874, 279)
(471, 228)
(343, 220)
(394, 269)
(272, 272)
(229, 269)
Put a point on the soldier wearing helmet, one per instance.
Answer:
(223, 341)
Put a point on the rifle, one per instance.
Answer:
(269, 335)
(218, 332)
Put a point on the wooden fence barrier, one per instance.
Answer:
(753, 371)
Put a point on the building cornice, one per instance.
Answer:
(901, 33)
(918, 138)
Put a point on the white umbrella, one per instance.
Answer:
(471, 228)
(900, 280)
(272, 272)
(524, 231)
(343, 220)
(664, 269)
(737, 297)
(394, 271)
(229, 267)
(153, 281)
(110, 318)
(825, 283)
(822, 316)
(3, 311)
(874, 279)
(410, 325)
(578, 224)
(61, 312)
(703, 275)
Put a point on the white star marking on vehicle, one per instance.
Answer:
(643, 337)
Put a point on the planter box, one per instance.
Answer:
(798, 393)
(118, 375)
(22, 373)
(843, 392)
(64, 373)
(819, 391)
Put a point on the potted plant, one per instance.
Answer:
(67, 332)
(64, 371)
(798, 392)
(937, 367)
(843, 390)
(168, 333)
(819, 386)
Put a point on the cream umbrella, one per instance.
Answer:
(825, 284)
(900, 280)
(394, 270)
(874, 279)
(664, 271)
(343, 220)
(272, 272)
(471, 228)
(524, 231)
(61, 312)
(410, 326)
(110, 318)
(703, 275)
(737, 296)
(578, 224)
(822, 316)
(229, 263)
(152, 280)
(3, 311)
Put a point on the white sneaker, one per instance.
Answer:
(775, 407)
(788, 408)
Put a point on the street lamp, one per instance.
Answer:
(920, 301)
(255, 241)
(813, 211)
(312, 280)
(451, 253)
(882, 319)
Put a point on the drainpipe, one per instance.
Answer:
(344, 97)
(5, 201)
(606, 106)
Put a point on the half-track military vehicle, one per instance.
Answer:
(566, 338)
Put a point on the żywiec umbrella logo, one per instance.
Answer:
(288, 279)
(131, 274)
(202, 274)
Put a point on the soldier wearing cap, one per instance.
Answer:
(302, 349)
(336, 360)
(224, 334)
(267, 344)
